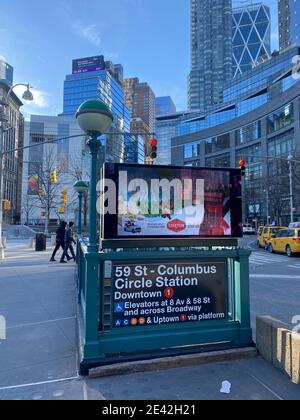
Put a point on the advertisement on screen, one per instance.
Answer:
(141, 201)
(89, 64)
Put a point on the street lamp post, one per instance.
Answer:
(81, 187)
(27, 96)
(94, 118)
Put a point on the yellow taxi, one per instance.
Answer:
(265, 234)
(286, 241)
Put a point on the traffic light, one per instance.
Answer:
(7, 205)
(154, 149)
(61, 210)
(54, 177)
(242, 165)
(64, 197)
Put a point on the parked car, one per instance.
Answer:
(265, 234)
(286, 241)
(131, 227)
(248, 229)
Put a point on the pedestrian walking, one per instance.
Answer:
(60, 241)
(69, 241)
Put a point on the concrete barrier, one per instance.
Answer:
(278, 345)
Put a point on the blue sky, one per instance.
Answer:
(149, 37)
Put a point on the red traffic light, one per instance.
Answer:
(153, 142)
(242, 163)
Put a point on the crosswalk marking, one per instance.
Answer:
(261, 259)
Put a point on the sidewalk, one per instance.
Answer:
(38, 358)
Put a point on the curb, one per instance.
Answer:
(172, 362)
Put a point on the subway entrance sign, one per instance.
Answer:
(169, 277)
(165, 294)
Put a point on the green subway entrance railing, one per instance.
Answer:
(208, 307)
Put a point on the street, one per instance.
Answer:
(39, 358)
(274, 282)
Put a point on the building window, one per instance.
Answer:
(247, 134)
(280, 146)
(281, 119)
(191, 150)
(217, 144)
(222, 161)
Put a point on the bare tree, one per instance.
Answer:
(48, 198)
(28, 207)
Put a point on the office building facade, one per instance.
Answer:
(251, 37)
(6, 73)
(12, 127)
(165, 105)
(289, 23)
(211, 52)
(165, 129)
(260, 122)
(94, 78)
(140, 100)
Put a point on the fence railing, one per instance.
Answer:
(102, 340)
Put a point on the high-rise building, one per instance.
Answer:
(260, 123)
(140, 99)
(251, 37)
(289, 23)
(6, 73)
(165, 105)
(165, 130)
(211, 52)
(12, 126)
(95, 78)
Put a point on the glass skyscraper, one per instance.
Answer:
(251, 37)
(94, 78)
(211, 52)
(165, 105)
(289, 23)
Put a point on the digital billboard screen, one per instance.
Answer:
(139, 201)
(89, 64)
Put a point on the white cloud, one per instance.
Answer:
(90, 33)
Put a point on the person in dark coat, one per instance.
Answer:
(69, 241)
(60, 241)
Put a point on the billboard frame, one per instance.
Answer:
(109, 223)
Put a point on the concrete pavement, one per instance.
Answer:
(38, 358)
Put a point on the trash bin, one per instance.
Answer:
(40, 242)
